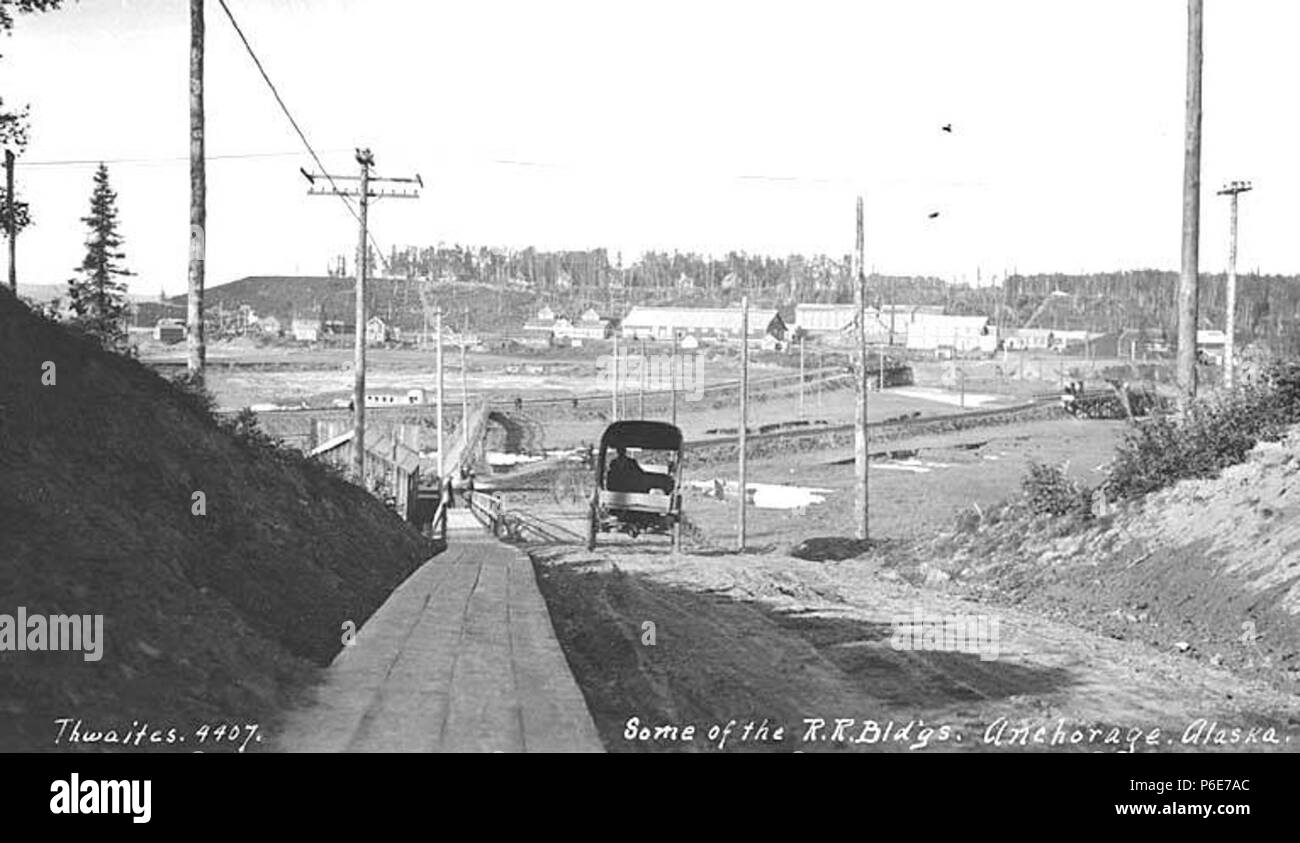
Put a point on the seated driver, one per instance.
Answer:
(625, 474)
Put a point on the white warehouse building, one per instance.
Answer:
(659, 323)
(930, 331)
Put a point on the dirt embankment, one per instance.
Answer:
(708, 640)
(214, 617)
(1207, 568)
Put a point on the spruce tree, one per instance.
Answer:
(98, 298)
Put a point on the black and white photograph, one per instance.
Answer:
(881, 378)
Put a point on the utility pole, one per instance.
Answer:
(364, 193)
(1231, 190)
(11, 213)
(437, 316)
(464, 385)
(672, 374)
(860, 410)
(1189, 280)
(893, 308)
(817, 386)
(801, 377)
(643, 368)
(744, 415)
(613, 389)
(366, 160)
(196, 347)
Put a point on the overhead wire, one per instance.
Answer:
(379, 252)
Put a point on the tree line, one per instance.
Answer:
(1268, 306)
(653, 274)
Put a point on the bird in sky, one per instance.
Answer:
(947, 127)
(934, 215)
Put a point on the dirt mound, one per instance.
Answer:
(210, 618)
(1209, 568)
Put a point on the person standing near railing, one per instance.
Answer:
(448, 492)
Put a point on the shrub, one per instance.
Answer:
(1145, 402)
(243, 426)
(1050, 491)
(190, 391)
(1214, 433)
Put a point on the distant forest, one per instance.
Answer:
(496, 289)
(1268, 307)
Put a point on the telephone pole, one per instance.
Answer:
(366, 160)
(364, 193)
(1231, 190)
(613, 389)
(464, 385)
(195, 344)
(643, 366)
(744, 415)
(11, 221)
(801, 376)
(860, 382)
(441, 464)
(1189, 280)
(672, 374)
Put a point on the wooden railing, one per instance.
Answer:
(438, 527)
(513, 524)
(460, 450)
(489, 509)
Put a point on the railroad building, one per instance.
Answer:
(702, 323)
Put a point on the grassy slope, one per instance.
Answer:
(1210, 567)
(206, 617)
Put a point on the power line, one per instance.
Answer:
(504, 162)
(160, 159)
(379, 252)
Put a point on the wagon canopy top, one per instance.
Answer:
(651, 435)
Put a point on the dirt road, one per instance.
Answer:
(813, 649)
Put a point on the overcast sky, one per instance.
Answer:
(699, 125)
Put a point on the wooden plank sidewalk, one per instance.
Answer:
(462, 657)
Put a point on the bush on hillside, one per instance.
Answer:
(194, 396)
(1216, 432)
(1050, 491)
(244, 427)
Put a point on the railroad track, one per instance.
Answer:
(895, 424)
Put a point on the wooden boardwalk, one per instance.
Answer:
(460, 658)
